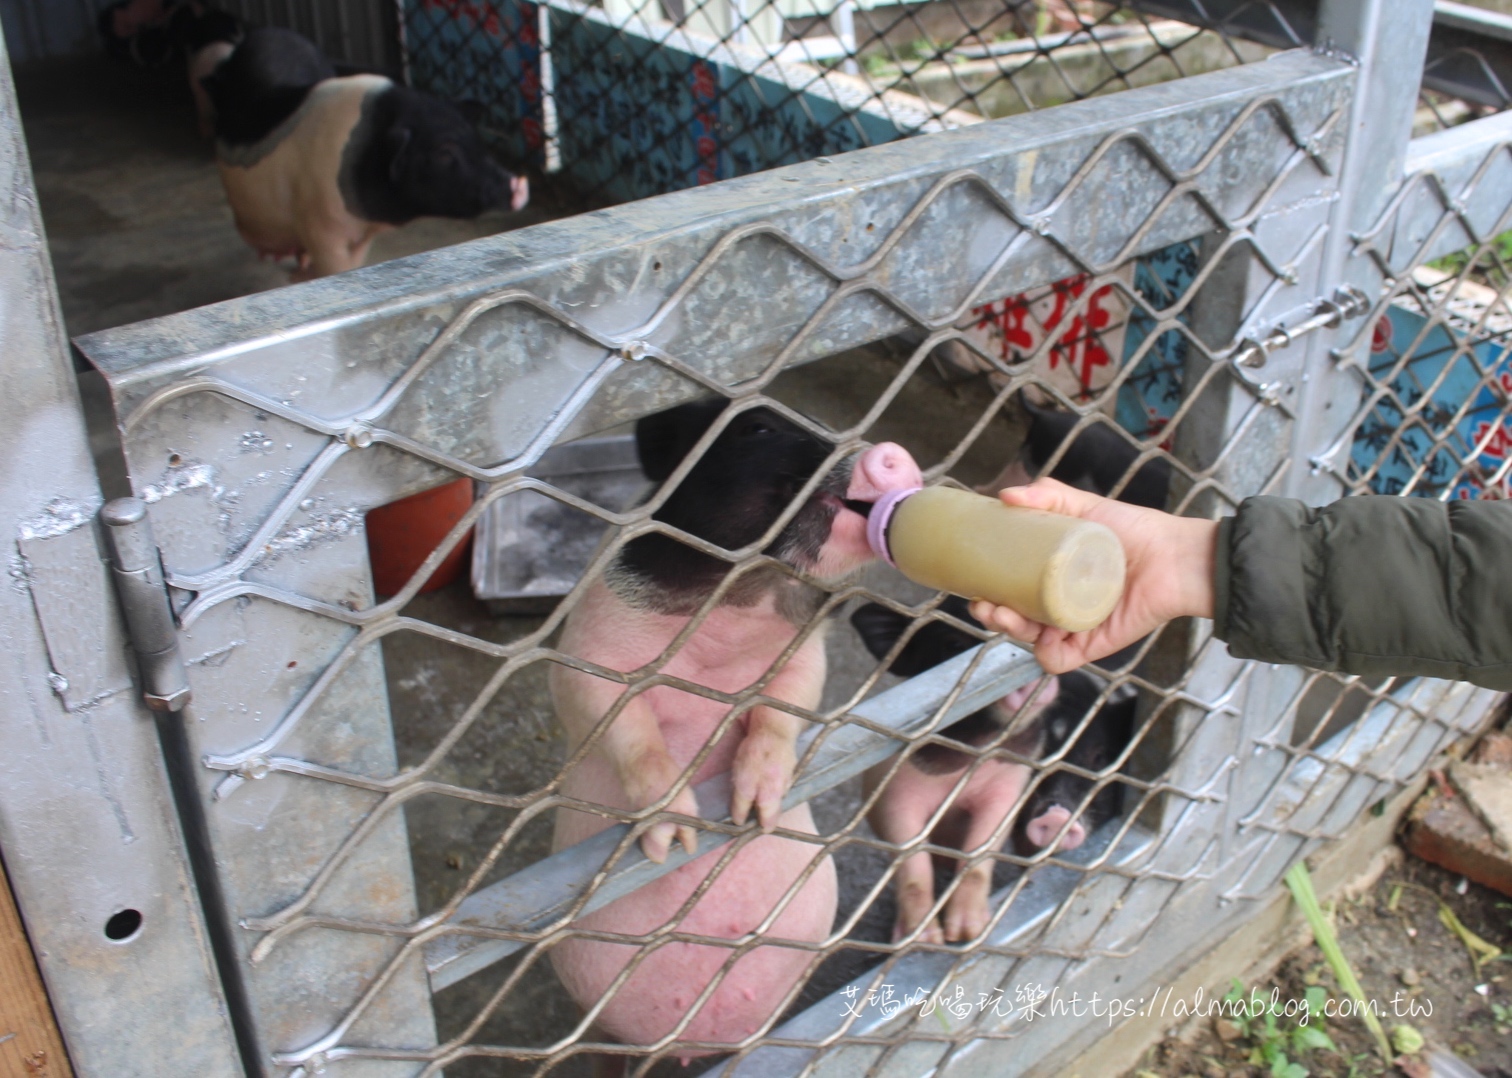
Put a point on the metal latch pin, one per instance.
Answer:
(137, 569)
(1347, 302)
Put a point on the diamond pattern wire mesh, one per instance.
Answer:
(1432, 413)
(636, 97)
(1464, 67)
(1429, 419)
(478, 770)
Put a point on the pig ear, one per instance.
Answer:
(399, 139)
(663, 439)
(472, 111)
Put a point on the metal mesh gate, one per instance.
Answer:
(1220, 274)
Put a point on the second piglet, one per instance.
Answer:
(978, 795)
(679, 732)
(1057, 807)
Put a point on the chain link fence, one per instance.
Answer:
(631, 99)
(1171, 293)
(357, 34)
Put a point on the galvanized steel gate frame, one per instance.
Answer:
(266, 851)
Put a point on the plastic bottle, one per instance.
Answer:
(1056, 569)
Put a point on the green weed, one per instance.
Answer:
(1486, 266)
(1276, 1038)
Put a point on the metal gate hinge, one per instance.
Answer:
(1347, 302)
(137, 568)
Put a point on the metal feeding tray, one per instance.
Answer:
(529, 550)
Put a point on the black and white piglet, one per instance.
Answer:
(637, 619)
(315, 166)
(1060, 809)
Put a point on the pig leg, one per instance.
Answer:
(916, 898)
(993, 793)
(335, 246)
(900, 815)
(610, 1066)
(359, 248)
(633, 745)
(647, 772)
(763, 766)
(327, 255)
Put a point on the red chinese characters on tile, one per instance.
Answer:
(1078, 323)
(705, 127)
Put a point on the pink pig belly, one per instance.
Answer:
(669, 979)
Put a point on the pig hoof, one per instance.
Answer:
(963, 926)
(768, 808)
(762, 773)
(932, 934)
(657, 842)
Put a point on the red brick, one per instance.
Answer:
(1441, 829)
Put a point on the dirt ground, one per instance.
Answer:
(1405, 957)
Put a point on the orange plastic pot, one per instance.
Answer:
(402, 534)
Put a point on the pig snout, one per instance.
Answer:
(881, 469)
(1044, 827)
(873, 473)
(1037, 695)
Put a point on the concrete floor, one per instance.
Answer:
(138, 227)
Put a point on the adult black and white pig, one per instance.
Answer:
(627, 622)
(316, 166)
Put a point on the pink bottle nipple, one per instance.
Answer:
(878, 519)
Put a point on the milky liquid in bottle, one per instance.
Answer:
(1058, 570)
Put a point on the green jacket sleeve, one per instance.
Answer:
(1370, 585)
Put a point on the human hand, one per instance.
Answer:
(1170, 574)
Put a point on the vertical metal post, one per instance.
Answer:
(845, 30)
(1387, 38)
(551, 133)
(87, 824)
